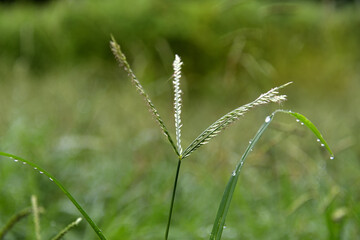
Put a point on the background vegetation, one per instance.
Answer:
(66, 105)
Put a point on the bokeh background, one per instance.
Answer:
(66, 105)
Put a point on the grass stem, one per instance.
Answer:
(35, 210)
(173, 198)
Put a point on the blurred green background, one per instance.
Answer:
(67, 106)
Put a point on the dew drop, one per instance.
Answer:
(332, 158)
(35, 168)
(233, 173)
(40, 172)
(297, 120)
(302, 123)
(224, 227)
(24, 163)
(15, 160)
(322, 144)
(318, 140)
(250, 142)
(51, 179)
(267, 119)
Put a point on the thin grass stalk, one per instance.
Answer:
(172, 199)
(35, 210)
(62, 188)
(67, 229)
(223, 209)
(13, 220)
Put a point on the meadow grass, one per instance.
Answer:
(212, 131)
(74, 119)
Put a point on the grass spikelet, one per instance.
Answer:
(177, 101)
(121, 58)
(218, 126)
(67, 229)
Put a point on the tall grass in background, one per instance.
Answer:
(272, 96)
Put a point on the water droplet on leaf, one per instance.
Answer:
(267, 119)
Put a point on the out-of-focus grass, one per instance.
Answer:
(64, 103)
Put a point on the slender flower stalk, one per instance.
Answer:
(177, 100)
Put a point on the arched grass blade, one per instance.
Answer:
(227, 119)
(121, 58)
(219, 222)
(311, 126)
(62, 188)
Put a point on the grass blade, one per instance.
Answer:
(226, 120)
(219, 222)
(121, 58)
(230, 187)
(311, 126)
(62, 188)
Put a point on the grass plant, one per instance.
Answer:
(272, 96)
(212, 131)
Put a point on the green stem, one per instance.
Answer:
(173, 198)
(35, 210)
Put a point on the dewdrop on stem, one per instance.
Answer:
(267, 119)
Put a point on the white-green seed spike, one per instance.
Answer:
(177, 101)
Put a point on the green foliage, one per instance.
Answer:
(62, 108)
